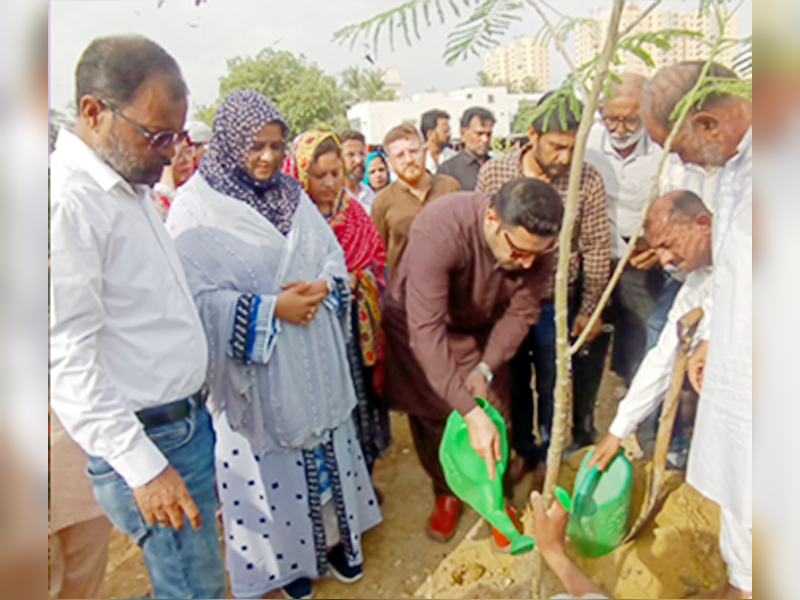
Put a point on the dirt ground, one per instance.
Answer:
(399, 556)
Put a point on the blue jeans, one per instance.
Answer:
(658, 316)
(182, 564)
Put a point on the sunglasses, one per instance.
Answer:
(517, 252)
(160, 141)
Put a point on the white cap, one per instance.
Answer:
(199, 132)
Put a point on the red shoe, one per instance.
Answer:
(443, 522)
(500, 542)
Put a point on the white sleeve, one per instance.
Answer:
(652, 380)
(91, 409)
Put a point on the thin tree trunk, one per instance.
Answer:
(563, 379)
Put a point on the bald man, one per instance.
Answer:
(678, 230)
(627, 159)
(721, 457)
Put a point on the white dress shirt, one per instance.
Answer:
(124, 331)
(678, 175)
(432, 166)
(627, 181)
(651, 382)
(366, 197)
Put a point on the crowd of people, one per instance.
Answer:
(235, 311)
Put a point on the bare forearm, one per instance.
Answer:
(575, 581)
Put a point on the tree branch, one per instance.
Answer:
(641, 18)
(692, 95)
(557, 40)
(563, 379)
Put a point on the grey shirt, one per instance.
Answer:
(464, 166)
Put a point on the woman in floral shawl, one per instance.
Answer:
(320, 170)
(272, 289)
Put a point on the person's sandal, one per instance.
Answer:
(500, 543)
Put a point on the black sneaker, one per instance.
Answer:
(340, 569)
(299, 589)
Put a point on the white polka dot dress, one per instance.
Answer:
(273, 514)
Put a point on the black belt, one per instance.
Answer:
(169, 413)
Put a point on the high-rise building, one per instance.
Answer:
(522, 60)
(590, 36)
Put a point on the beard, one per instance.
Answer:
(132, 168)
(623, 141)
(357, 174)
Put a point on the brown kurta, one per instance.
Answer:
(451, 306)
(394, 210)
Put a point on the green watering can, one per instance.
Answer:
(466, 474)
(601, 506)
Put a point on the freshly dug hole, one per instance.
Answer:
(675, 556)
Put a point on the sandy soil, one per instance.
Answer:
(401, 560)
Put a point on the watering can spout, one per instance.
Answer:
(467, 476)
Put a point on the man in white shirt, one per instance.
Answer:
(719, 133)
(128, 353)
(354, 154)
(627, 159)
(435, 127)
(679, 231)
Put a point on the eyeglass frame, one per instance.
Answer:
(154, 139)
(630, 123)
(517, 252)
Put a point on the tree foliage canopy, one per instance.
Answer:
(364, 85)
(306, 97)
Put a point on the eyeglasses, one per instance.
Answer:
(631, 123)
(160, 141)
(517, 252)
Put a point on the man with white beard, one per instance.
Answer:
(627, 159)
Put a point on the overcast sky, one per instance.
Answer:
(203, 38)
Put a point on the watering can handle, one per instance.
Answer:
(588, 484)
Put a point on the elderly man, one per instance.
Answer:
(548, 158)
(435, 127)
(719, 132)
(354, 154)
(127, 350)
(397, 205)
(628, 160)
(678, 230)
(476, 133)
(467, 290)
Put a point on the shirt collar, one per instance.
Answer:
(78, 153)
(643, 147)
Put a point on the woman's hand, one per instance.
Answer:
(299, 302)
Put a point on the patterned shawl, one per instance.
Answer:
(237, 124)
(363, 249)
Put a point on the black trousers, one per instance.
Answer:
(538, 354)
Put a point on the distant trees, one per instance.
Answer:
(527, 85)
(306, 97)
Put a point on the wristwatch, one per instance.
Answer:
(484, 370)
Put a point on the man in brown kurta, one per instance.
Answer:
(465, 294)
(396, 206)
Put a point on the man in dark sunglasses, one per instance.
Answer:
(467, 289)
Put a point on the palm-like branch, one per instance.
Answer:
(489, 20)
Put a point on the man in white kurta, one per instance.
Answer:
(721, 458)
(679, 229)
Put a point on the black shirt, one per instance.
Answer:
(464, 167)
